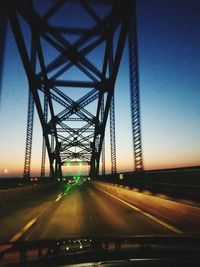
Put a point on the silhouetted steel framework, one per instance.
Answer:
(112, 121)
(112, 137)
(134, 94)
(42, 174)
(73, 42)
(103, 152)
(30, 118)
(3, 27)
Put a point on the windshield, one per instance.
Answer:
(99, 120)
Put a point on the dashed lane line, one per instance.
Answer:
(29, 224)
(59, 197)
(23, 230)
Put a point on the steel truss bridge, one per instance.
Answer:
(59, 57)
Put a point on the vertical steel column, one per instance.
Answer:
(103, 152)
(52, 151)
(52, 143)
(3, 26)
(112, 122)
(30, 118)
(112, 136)
(43, 142)
(134, 94)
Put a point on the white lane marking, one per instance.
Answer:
(170, 227)
(59, 197)
(23, 230)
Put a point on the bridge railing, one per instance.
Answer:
(177, 183)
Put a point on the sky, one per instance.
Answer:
(169, 67)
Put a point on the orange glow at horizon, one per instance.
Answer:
(17, 169)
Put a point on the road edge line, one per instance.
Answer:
(170, 227)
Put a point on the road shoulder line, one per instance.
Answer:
(170, 227)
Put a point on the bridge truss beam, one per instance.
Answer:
(112, 122)
(78, 58)
(43, 160)
(103, 153)
(30, 118)
(134, 94)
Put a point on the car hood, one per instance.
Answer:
(101, 249)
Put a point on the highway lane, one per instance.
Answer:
(86, 210)
(19, 206)
(184, 217)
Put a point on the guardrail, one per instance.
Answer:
(17, 182)
(177, 183)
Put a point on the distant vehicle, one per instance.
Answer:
(34, 179)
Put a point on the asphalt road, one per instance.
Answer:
(92, 209)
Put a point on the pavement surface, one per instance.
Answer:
(92, 209)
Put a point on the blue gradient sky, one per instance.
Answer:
(169, 65)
